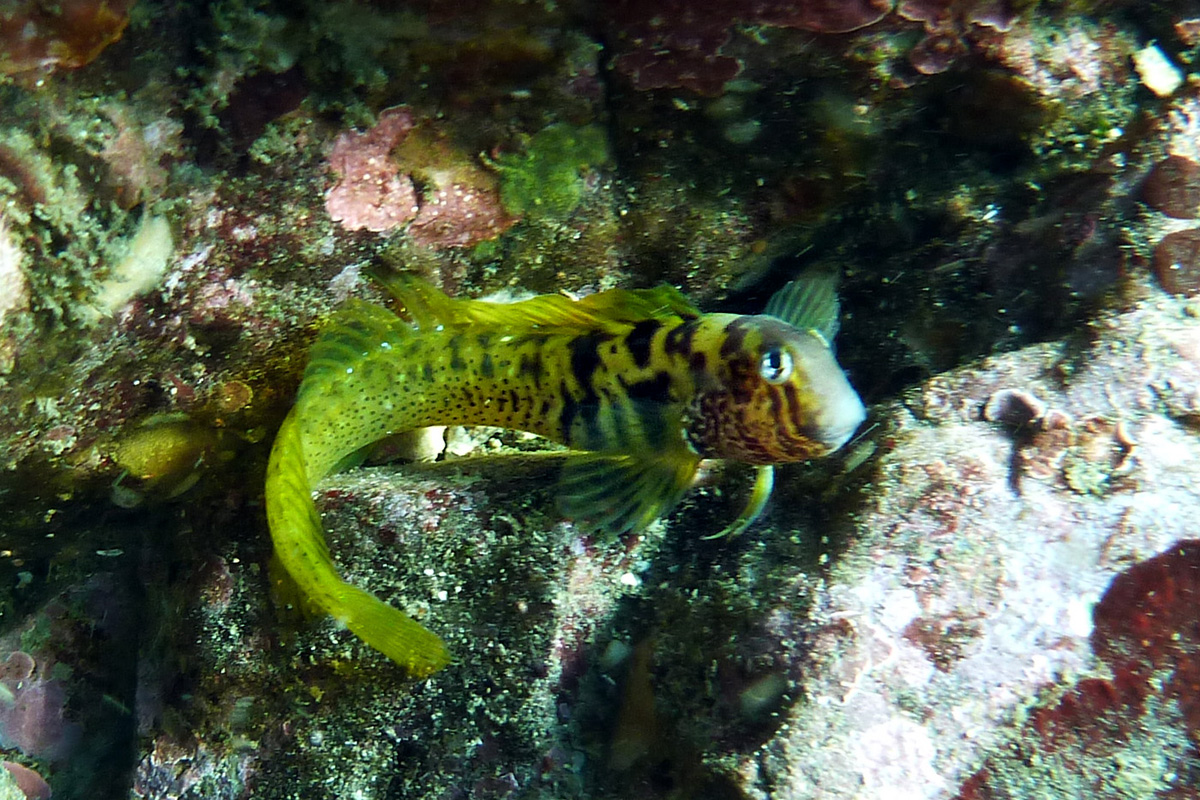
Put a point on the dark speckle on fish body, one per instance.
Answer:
(655, 389)
(735, 338)
(679, 339)
(456, 362)
(531, 367)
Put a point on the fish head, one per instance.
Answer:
(778, 394)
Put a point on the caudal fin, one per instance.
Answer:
(390, 631)
(301, 550)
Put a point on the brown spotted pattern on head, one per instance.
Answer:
(777, 395)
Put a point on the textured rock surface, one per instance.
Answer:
(967, 585)
(884, 635)
(1013, 213)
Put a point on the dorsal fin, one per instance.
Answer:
(810, 302)
(613, 310)
(355, 329)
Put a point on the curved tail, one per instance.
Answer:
(300, 546)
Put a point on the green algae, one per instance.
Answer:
(547, 179)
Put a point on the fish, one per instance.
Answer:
(639, 384)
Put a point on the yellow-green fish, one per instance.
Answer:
(638, 380)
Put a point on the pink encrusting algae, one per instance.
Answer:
(458, 204)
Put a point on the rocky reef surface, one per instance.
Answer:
(990, 593)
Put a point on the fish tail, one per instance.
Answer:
(390, 631)
(301, 548)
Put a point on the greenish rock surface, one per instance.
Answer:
(547, 178)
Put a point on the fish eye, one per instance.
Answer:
(776, 365)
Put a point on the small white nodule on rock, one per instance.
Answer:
(1157, 72)
(14, 288)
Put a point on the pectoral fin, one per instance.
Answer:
(618, 493)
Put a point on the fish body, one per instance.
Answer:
(640, 382)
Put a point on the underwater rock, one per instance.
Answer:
(1144, 718)
(887, 628)
(821, 16)
(974, 177)
(971, 591)
(36, 38)
(476, 555)
(31, 785)
(1177, 262)
(1173, 187)
(674, 45)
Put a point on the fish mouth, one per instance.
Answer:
(839, 420)
(835, 411)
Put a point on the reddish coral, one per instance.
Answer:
(459, 203)
(674, 44)
(38, 37)
(821, 16)
(459, 216)
(1147, 622)
(1082, 717)
(1173, 187)
(947, 26)
(667, 67)
(1147, 630)
(371, 192)
(33, 720)
(677, 44)
(31, 784)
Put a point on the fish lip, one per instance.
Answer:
(837, 438)
(845, 419)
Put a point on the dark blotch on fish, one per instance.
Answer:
(639, 339)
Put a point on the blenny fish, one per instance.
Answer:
(639, 382)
